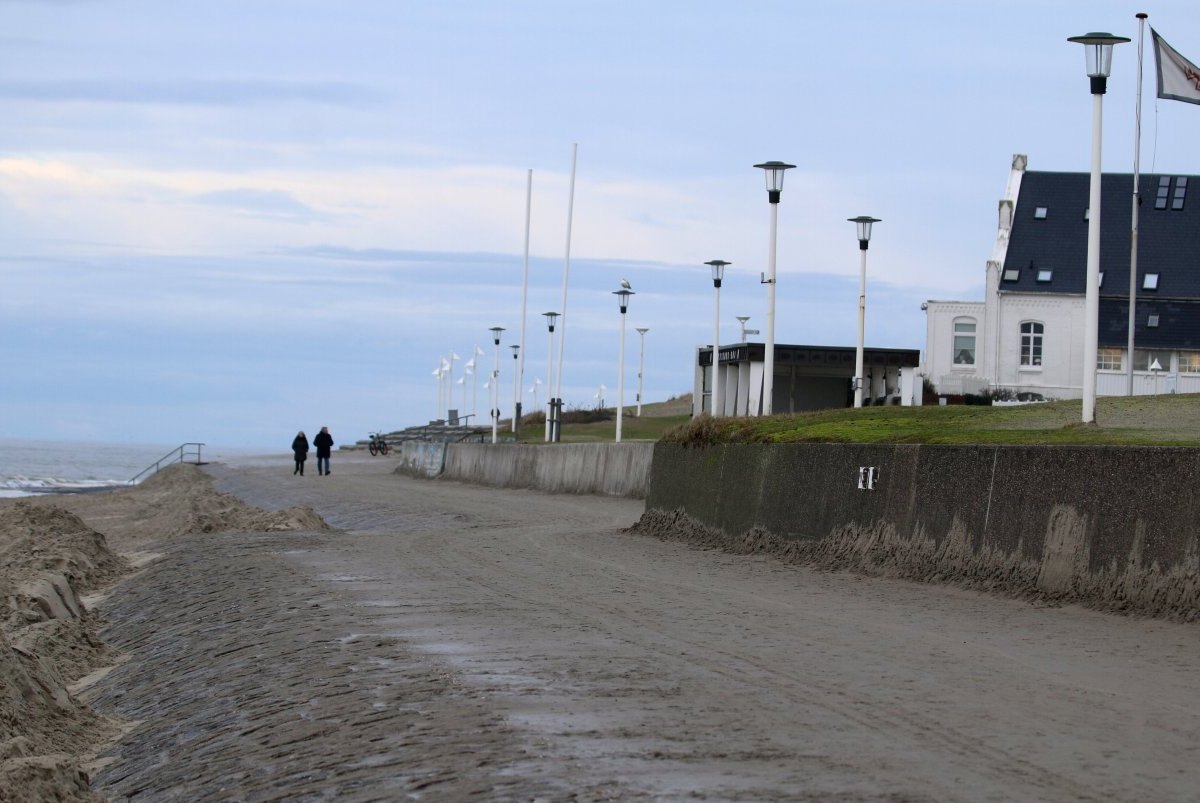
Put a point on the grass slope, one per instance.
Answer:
(1172, 420)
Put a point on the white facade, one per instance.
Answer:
(1032, 342)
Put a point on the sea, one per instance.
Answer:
(34, 467)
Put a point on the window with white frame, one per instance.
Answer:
(1110, 359)
(964, 341)
(1031, 344)
(1189, 362)
(1144, 360)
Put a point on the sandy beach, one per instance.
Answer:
(238, 633)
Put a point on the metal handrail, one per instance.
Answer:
(184, 450)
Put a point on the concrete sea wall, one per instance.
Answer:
(422, 458)
(612, 469)
(1114, 527)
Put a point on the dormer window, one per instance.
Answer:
(1164, 195)
(1152, 321)
(1045, 275)
(1012, 274)
(1150, 281)
(1040, 213)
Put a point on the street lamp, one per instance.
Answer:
(623, 299)
(550, 317)
(718, 273)
(863, 224)
(496, 330)
(741, 319)
(516, 350)
(774, 174)
(641, 330)
(1098, 47)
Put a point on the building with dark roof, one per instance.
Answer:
(1026, 335)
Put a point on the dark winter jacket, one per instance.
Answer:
(323, 442)
(300, 447)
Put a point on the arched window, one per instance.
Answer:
(1031, 344)
(964, 341)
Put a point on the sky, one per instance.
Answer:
(229, 221)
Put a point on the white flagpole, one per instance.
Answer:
(562, 322)
(1133, 235)
(475, 386)
(524, 305)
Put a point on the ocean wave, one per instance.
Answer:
(30, 486)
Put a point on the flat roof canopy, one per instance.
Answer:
(814, 356)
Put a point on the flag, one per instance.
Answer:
(1178, 78)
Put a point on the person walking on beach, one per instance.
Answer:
(300, 449)
(323, 442)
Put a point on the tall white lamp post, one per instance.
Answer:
(774, 174)
(863, 224)
(623, 299)
(550, 317)
(718, 400)
(516, 350)
(718, 396)
(641, 330)
(1098, 47)
(496, 330)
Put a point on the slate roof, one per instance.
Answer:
(1168, 245)
(1168, 239)
(1178, 323)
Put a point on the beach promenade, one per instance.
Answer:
(451, 642)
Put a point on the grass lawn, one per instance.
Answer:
(1171, 420)
(1167, 420)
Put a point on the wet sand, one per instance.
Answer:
(449, 642)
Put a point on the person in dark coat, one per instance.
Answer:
(300, 449)
(323, 442)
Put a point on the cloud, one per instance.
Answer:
(275, 204)
(212, 92)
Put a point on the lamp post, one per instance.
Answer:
(863, 224)
(623, 299)
(516, 349)
(1098, 47)
(496, 330)
(641, 330)
(774, 174)
(718, 400)
(550, 317)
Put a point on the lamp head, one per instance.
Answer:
(550, 317)
(774, 175)
(623, 298)
(496, 330)
(863, 222)
(718, 270)
(1098, 48)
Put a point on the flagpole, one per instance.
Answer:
(524, 305)
(562, 334)
(1133, 235)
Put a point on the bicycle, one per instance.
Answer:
(378, 445)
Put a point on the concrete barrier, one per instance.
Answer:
(612, 469)
(422, 458)
(1116, 527)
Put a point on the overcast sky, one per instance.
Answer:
(227, 221)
